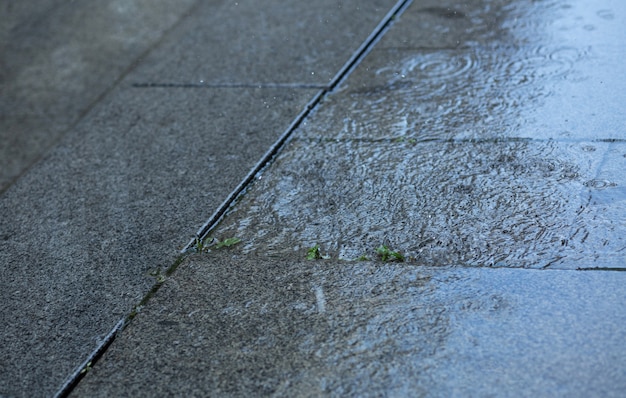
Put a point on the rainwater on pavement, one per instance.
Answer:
(502, 144)
(475, 135)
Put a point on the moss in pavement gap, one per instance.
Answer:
(386, 254)
(201, 245)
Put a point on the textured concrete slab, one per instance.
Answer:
(85, 232)
(279, 44)
(57, 58)
(445, 155)
(541, 71)
(24, 139)
(448, 25)
(441, 154)
(228, 325)
(504, 204)
(15, 13)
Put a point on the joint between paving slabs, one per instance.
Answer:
(97, 354)
(204, 231)
(343, 73)
(202, 84)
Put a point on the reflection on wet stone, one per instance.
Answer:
(458, 155)
(469, 155)
(442, 203)
(475, 93)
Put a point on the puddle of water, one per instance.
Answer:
(598, 237)
(468, 156)
(476, 93)
(477, 204)
(541, 75)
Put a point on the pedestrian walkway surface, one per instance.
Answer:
(228, 325)
(86, 230)
(481, 143)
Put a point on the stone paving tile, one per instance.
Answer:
(445, 155)
(82, 232)
(86, 230)
(463, 158)
(227, 325)
(57, 58)
(278, 44)
(504, 204)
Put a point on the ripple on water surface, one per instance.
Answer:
(490, 203)
(477, 92)
(489, 153)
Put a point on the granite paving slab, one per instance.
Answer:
(482, 163)
(496, 204)
(85, 233)
(459, 155)
(279, 44)
(509, 226)
(90, 229)
(57, 58)
(231, 325)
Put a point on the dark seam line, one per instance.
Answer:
(369, 43)
(610, 140)
(79, 373)
(601, 269)
(363, 50)
(425, 48)
(230, 85)
(348, 67)
(269, 155)
(410, 139)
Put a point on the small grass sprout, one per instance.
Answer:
(408, 140)
(315, 253)
(386, 254)
(86, 369)
(228, 242)
(198, 244)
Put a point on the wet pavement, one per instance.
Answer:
(227, 325)
(483, 142)
(59, 58)
(86, 230)
(482, 153)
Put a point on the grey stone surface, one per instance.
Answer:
(226, 325)
(278, 44)
(459, 156)
(15, 13)
(537, 71)
(83, 233)
(464, 158)
(504, 204)
(483, 135)
(57, 58)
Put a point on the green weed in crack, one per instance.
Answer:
(201, 245)
(228, 242)
(314, 253)
(386, 254)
